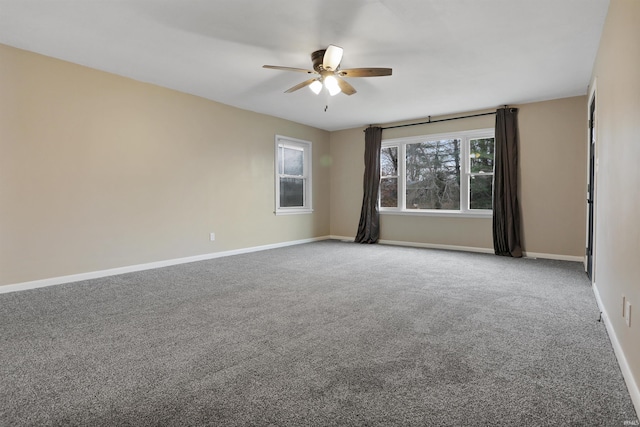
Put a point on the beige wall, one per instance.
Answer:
(99, 171)
(617, 270)
(347, 154)
(553, 180)
(552, 160)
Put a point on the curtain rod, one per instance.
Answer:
(440, 120)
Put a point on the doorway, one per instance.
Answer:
(591, 186)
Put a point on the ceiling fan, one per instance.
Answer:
(326, 64)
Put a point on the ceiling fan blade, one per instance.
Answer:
(365, 72)
(332, 58)
(300, 85)
(345, 87)
(299, 70)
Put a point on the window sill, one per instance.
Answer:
(449, 214)
(293, 212)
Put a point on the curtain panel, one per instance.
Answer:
(369, 226)
(506, 210)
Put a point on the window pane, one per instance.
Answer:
(389, 161)
(280, 158)
(389, 192)
(293, 161)
(481, 191)
(481, 153)
(291, 192)
(433, 175)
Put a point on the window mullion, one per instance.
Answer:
(402, 176)
(465, 175)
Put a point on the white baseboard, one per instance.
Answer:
(632, 385)
(420, 245)
(437, 246)
(166, 263)
(342, 238)
(553, 256)
(466, 249)
(147, 266)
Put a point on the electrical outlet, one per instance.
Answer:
(627, 313)
(212, 236)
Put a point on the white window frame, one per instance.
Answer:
(465, 174)
(306, 148)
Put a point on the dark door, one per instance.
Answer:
(590, 185)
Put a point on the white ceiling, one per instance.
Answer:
(448, 56)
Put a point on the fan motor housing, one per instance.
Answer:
(317, 58)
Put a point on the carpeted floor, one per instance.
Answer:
(327, 333)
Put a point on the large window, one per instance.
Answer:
(293, 175)
(438, 174)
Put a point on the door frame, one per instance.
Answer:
(592, 180)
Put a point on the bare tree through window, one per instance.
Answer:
(433, 175)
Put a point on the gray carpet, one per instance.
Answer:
(327, 333)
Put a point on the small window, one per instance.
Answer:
(293, 175)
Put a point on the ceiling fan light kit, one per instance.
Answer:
(331, 83)
(332, 58)
(326, 63)
(316, 86)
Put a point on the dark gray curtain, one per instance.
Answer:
(506, 210)
(369, 227)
